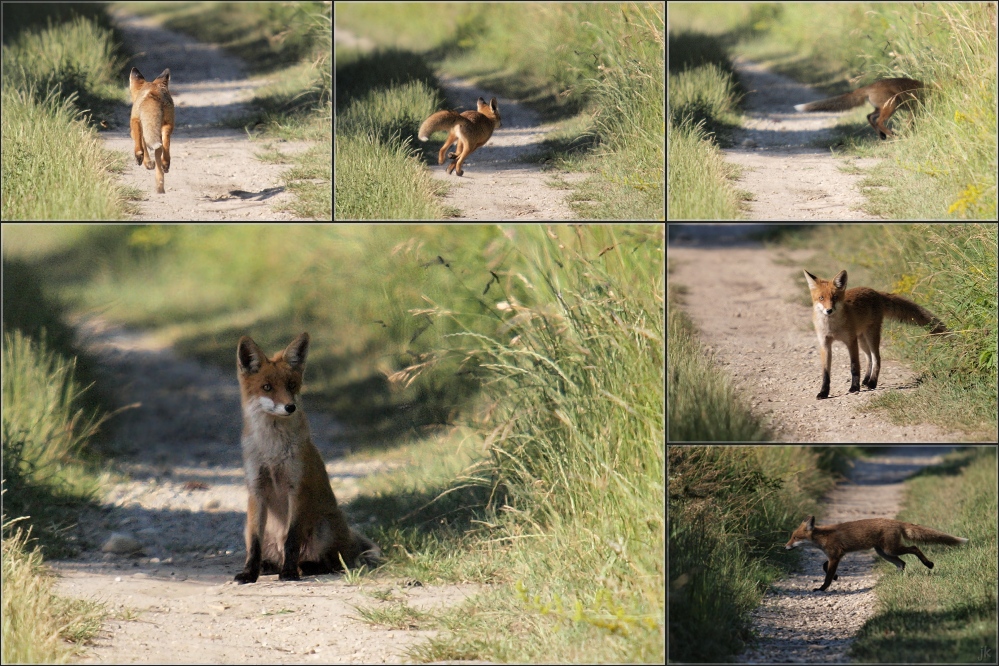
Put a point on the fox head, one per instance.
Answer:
(827, 294)
(801, 535)
(271, 385)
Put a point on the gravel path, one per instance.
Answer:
(796, 624)
(176, 531)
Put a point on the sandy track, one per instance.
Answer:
(214, 173)
(185, 506)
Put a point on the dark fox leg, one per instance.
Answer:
(897, 561)
(826, 564)
(830, 569)
(878, 124)
(912, 550)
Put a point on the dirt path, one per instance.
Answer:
(832, 618)
(184, 509)
(790, 179)
(496, 185)
(744, 300)
(214, 173)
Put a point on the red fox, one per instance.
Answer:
(292, 518)
(886, 95)
(152, 122)
(471, 129)
(854, 316)
(884, 535)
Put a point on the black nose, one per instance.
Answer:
(290, 408)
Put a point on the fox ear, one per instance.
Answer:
(136, 75)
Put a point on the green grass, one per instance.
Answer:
(949, 616)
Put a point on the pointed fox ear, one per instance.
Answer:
(136, 76)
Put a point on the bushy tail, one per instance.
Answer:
(440, 121)
(907, 312)
(152, 131)
(369, 552)
(841, 103)
(926, 535)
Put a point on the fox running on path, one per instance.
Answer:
(886, 95)
(471, 129)
(884, 535)
(292, 519)
(152, 122)
(854, 316)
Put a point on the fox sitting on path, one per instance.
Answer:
(152, 122)
(854, 316)
(886, 95)
(292, 519)
(884, 535)
(471, 129)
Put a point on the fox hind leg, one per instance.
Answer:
(878, 123)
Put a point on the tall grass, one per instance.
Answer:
(43, 431)
(574, 382)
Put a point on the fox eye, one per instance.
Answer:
(292, 386)
(267, 387)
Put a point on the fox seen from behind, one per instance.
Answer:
(884, 535)
(152, 122)
(293, 522)
(885, 95)
(471, 130)
(854, 317)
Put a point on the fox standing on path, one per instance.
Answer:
(471, 129)
(292, 519)
(886, 95)
(152, 122)
(884, 535)
(854, 316)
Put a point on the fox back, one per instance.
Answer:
(151, 122)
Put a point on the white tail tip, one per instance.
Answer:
(800, 107)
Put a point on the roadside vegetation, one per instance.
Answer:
(840, 47)
(65, 71)
(517, 370)
(703, 404)
(734, 507)
(595, 68)
(48, 420)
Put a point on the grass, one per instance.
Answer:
(949, 616)
(45, 426)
